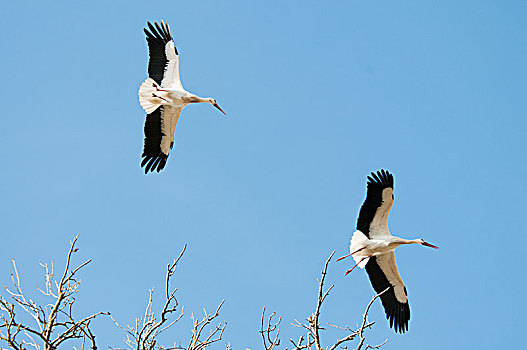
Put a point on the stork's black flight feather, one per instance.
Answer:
(376, 184)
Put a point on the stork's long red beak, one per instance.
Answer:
(430, 245)
(218, 107)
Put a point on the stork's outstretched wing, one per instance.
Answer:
(373, 216)
(383, 274)
(163, 65)
(160, 128)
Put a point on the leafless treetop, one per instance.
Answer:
(311, 338)
(52, 323)
(144, 335)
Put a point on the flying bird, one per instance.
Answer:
(162, 97)
(372, 246)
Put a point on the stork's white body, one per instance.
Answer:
(372, 247)
(177, 98)
(363, 247)
(151, 96)
(171, 97)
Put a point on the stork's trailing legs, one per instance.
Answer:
(157, 87)
(357, 264)
(350, 254)
(164, 99)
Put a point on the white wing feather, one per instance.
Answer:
(379, 224)
(169, 118)
(171, 78)
(388, 266)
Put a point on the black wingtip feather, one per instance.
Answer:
(151, 27)
(154, 162)
(149, 165)
(154, 165)
(167, 30)
(381, 177)
(158, 31)
(163, 162)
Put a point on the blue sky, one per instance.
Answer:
(317, 96)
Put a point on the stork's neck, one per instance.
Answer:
(204, 100)
(191, 98)
(400, 241)
(197, 99)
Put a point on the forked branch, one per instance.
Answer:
(144, 335)
(311, 338)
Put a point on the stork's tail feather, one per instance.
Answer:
(357, 243)
(146, 98)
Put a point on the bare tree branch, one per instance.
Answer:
(365, 324)
(268, 341)
(144, 335)
(199, 325)
(311, 339)
(53, 322)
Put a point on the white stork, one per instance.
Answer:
(372, 246)
(162, 97)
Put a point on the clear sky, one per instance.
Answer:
(317, 96)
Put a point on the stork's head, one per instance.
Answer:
(215, 104)
(422, 242)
